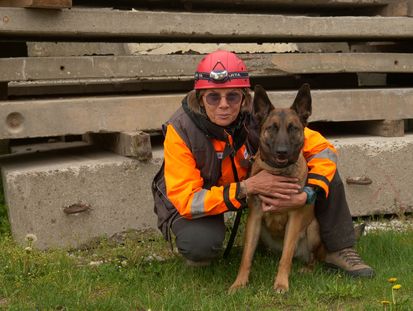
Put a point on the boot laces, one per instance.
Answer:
(351, 257)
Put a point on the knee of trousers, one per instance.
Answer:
(200, 247)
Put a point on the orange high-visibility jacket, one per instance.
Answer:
(185, 186)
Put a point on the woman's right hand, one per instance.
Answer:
(271, 185)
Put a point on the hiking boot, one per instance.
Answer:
(350, 262)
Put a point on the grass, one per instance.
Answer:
(142, 274)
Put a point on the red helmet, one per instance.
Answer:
(221, 69)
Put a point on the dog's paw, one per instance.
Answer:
(306, 269)
(236, 286)
(280, 288)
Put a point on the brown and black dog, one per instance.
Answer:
(296, 232)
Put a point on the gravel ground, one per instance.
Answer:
(396, 224)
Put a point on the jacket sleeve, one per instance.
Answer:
(184, 183)
(321, 159)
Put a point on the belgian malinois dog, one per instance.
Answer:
(296, 232)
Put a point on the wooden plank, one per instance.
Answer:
(155, 26)
(44, 4)
(135, 144)
(53, 117)
(172, 67)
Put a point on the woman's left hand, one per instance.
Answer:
(271, 204)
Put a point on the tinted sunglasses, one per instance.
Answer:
(233, 98)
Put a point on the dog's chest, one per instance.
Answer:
(275, 243)
(275, 223)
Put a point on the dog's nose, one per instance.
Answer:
(281, 151)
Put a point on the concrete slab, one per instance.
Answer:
(151, 26)
(116, 190)
(53, 49)
(49, 117)
(388, 163)
(173, 67)
(40, 187)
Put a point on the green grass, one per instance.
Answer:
(142, 274)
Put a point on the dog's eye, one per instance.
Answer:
(292, 128)
(273, 128)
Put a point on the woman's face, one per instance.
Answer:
(222, 106)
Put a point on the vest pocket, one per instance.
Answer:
(163, 208)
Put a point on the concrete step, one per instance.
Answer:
(43, 189)
(388, 163)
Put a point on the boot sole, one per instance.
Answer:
(362, 273)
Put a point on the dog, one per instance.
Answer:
(296, 232)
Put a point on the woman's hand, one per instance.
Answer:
(270, 185)
(271, 204)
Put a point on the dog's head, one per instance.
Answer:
(281, 129)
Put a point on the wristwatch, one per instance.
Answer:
(311, 195)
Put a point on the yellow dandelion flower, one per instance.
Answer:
(385, 302)
(397, 286)
(392, 280)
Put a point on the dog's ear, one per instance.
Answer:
(262, 104)
(302, 103)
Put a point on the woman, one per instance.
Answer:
(208, 144)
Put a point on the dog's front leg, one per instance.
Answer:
(252, 233)
(292, 234)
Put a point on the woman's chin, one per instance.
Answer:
(223, 121)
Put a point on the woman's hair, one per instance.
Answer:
(195, 101)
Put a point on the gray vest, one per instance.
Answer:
(205, 158)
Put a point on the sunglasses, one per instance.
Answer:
(232, 98)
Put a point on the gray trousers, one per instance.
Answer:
(202, 239)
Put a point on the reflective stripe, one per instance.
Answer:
(319, 177)
(197, 206)
(325, 154)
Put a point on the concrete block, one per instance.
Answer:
(99, 114)
(387, 162)
(114, 192)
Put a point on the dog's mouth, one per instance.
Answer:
(278, 161)
(281, 161)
